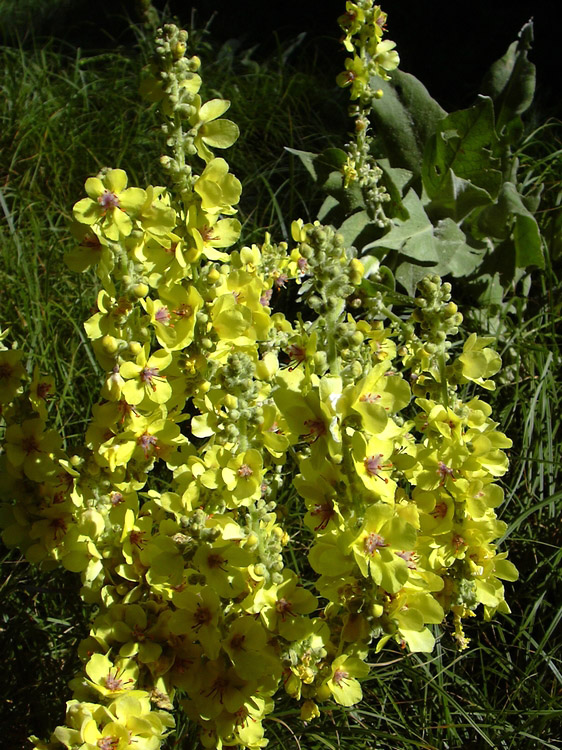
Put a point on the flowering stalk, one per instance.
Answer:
(363, 24)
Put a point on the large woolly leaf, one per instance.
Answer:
(404, 118)
(463, 145)
(307, 158)
(397, 182)
(510, 82)
(319, 166)
(510, 217)
(456, 198)
(413, 237)
(408, 274)
(453, 256)
(456, 257)
(354, 225)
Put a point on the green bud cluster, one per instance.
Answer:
(173, 82)
(437, 316)
(361, 169)
(325, 253)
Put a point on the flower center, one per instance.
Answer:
(162, 315)
(184, 311)
(138, 538)
(444, 471)
(457, 541)
(91, 241)
(214, 560)
(296, 352)
(58, 526)
(265, 298)
(108, 743)
(112, 682)
(218, 689)
(283, 606)
(316, 428)
(202, 616)
(440, 510)
(237, 641)
(408, 557)
(325, 512)
(281, 280)
(373, 464)
(245, 471)
(374, 542)
(43, 389)
(369, 398)
(208, 234)
(30, 445)
(108, 200)
(340, 675)
(148, 443)
(147, 374)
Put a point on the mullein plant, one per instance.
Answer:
(217, 412)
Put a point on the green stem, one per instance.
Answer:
(334, 363)
(392, 316)
(443, 377)
(243, 442)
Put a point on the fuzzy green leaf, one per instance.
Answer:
(354, 225)
(464, 145)
(308, 158)
(404, 118)
(456, 257)
(510, 82)
(509, 215)
(456, 198)
(413, 237)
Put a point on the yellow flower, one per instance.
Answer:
(108, 679)
(143, 378)
(11, 374)
(111, 203)
(212, 131)
(342, 684)
(31, 449)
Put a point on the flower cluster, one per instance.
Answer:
(364, 24)
(217, 413)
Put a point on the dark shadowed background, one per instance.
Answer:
(448, 46)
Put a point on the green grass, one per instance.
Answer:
(63, 117)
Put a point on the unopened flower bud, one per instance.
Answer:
(140, 290)
(357, 271)
(110, 344)
(178, 50)
(320, 361)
